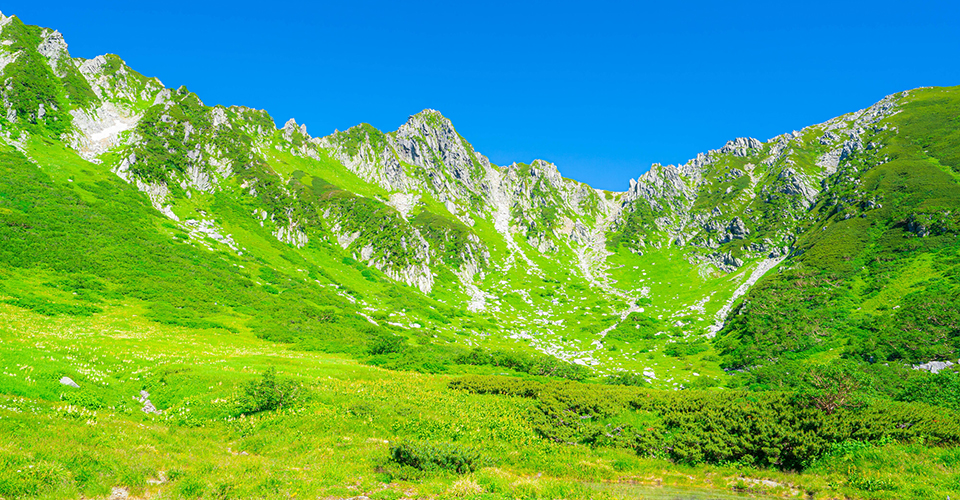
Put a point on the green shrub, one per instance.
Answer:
(680, 349)
(386, 344)
(637, 327)
(942, 389)
(267, 394)
(625, 378)
(436, 457)
(425, 358)
(82, 398)
(778, 429)
(45, 307)
(831, 387)
(534, 364)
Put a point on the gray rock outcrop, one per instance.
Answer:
(148, 407)
(935, 366)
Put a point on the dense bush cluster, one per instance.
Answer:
(436, 457)
(636, 328)
(394, 352)
(890, 381)
(46, 307)
(267, 394)
(787, 430)
(450, 238)
(626, 378)
(534, 364)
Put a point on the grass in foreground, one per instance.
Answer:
(336, 440)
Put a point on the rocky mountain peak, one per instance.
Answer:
(431, 117)
(433, 128)
(741, 145)
(290, 128)
(53, 45)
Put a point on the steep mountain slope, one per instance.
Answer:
(121, 193)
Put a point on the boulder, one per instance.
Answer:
(148, 407)
(69, 381)
(934, 366)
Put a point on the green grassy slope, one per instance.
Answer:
(334, 440)
(879, 283)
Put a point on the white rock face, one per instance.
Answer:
(419, 276)
(100, 129)
(156, 191)
(346, 239)
(477, 298)
(592, 256)
(744, 287)
(53, 47)
(198, 178)
(290, 128)
(741, 146)
(219, 117)
(163, 97)
(7, 58)
(205, 228)
(93, 66)
(293, 235)
(829, 161)
(795, 183)
(844, 132)
(403, 202)
(658, 185)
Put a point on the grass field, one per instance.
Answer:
(334, 441)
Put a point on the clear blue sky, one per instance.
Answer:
(603, 89)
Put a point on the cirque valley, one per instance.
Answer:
(132, 213)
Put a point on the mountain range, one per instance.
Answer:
(837, 239)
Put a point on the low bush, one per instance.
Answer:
(786, 430)
(625, 378)
(83, 398)
(386, 343)
(45, 307)
(436, 457)
(267, 394)
(680, 349)
(547, 366)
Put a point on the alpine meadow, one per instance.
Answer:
(195, 303)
